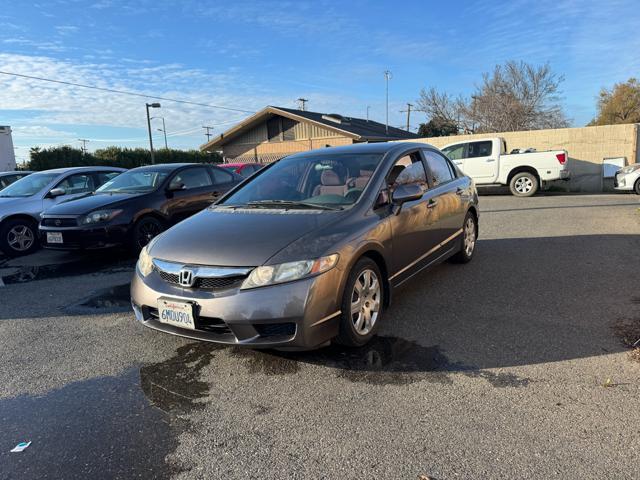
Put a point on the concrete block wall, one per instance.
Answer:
(587, 147)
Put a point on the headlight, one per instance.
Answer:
(145, 262)
(631, 168)
(99, 216)
(287, 272)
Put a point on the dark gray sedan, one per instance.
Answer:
(310, 249)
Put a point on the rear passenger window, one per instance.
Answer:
(221, 176)
(407, 170)
(78, 183)
(440, 169)
(479, 149)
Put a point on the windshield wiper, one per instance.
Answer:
(291, 204)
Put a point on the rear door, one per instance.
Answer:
(223, 181)
(445, 189)
(481, 161)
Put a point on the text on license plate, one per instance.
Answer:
(54, 237)
(178, 314)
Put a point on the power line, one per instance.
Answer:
(123, 92)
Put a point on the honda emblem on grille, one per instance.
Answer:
(58, 222)
(186, 277)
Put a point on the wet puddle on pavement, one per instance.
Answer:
(12, 272)
(107, 427)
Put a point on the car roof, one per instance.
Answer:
(15, 172)
(167, 167)
(236, 164)
(83, 169)
(365, 148)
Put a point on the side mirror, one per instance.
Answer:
(406, 193)
(57, 192)
(175, 187)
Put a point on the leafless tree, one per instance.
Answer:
(516, 96)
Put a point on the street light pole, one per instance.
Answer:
(387, 77)
(152, 105)
(163, 130)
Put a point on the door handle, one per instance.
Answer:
(215, 194)
(432, 203)
(491, 159)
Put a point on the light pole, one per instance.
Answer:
(152, 105)
(163, 130)
(387, 77)
(368, 107)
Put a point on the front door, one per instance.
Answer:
(190, 190)
(480, 162)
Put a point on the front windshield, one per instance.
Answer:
(30, 185)
(330, 180)
(133, 181)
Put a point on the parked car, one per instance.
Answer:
(309, 249)
(243, 169)
(7, 178)
(134, 207)
(488, 164)
(22, 202)
(628, 178)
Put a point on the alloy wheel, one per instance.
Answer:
(469, 236)
(20, 238)
(147, 231)
(365, 302)
(523, 185)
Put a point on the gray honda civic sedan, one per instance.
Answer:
(310, 249)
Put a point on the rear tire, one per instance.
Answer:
(469, 239)
(145, 230)
(18, 237)
(524, 184)
(362, 304)
(636, 187)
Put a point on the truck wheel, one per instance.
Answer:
(362, 304)
(523, 184)
(18, 237)
(636, 187)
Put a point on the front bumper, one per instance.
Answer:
(85, 237)
(623, 182)
(299, 315)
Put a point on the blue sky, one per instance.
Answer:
(250, 54)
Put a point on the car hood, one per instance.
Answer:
(88, 203)
(237, 237)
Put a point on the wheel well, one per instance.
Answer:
(28, 218)
(382, 265)
(162, 220)
(517, 170)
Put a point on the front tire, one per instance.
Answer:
(524, 184)
(636, 187)
(362, 304)
(145, 230)
(18, 237)
(469, 239)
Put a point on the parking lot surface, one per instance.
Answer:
(508, 367)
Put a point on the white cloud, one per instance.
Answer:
(39, 132)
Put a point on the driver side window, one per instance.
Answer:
(409, 169)
(78, 183)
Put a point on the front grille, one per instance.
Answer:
(59, 222)
(207, 324)
(218, 283)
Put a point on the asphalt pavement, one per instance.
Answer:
(507, 367)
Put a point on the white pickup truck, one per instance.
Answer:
(486, 161)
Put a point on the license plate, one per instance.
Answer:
(54, 237)
(178, 314)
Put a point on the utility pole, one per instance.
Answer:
(408, 111)
(368, 107)
(164, 130)
(302, 102)
(152, 105)
(84, 145)
(208, 134)
(387, 76)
